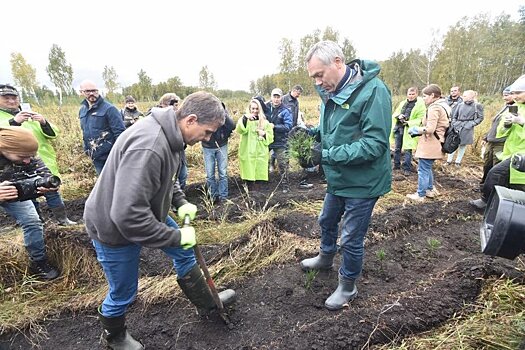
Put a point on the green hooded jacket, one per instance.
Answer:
(46, 152)
(515, 143)
(416, 115)
(253, 150)
(354, 130)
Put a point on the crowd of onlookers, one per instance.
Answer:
(142, 170)
(419, 124)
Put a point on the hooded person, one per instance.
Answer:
(45, 133)
(18, 146)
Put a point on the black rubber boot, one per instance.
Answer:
(346, 291)
(197, 291)
(116, 335)
(60, 215)
(321, 262)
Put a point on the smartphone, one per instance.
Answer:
(513, 109)
(26, 107)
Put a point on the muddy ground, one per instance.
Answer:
(422, 265)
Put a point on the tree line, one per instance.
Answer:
(476, 53)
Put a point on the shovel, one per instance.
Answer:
(209, 281)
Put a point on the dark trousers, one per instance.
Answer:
(407, 161)
(490, 159)
(499, 175)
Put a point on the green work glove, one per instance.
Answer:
(187, 209)
(187, 237)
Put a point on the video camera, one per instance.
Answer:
(502, 231)
(27, 184)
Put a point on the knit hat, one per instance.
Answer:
(17, 140)
(518, 85)
(6, 89)
(130, 98)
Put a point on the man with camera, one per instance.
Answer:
(11, 114)
(23, 177)
(512, 126)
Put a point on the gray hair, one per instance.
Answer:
(206, 106)
(327, 51)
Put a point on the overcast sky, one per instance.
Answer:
(238, 42)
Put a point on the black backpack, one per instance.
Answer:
(452, 140)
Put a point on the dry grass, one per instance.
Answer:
(250, 246)
(497, 322)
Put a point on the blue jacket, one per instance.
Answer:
(282, 121)
(101, 125)
(220, 137)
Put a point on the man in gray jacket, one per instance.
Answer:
(128, 208)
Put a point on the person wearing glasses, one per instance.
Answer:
(101, 124)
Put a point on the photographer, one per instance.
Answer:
(45, 132)
(18, 146)
(512, 126)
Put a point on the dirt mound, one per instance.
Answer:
(422, 265)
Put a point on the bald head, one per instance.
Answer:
(88, 85)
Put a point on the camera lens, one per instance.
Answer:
(48, 182)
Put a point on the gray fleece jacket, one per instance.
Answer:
(132, 196)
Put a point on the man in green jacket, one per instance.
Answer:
(354, 152)
(10, 114)
(408, 113)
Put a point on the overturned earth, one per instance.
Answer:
(422, 265)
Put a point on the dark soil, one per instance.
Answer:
(422, 265)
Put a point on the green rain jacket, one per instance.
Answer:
(253, 150)
(515, 143)
(416, 115)
(46, 152)
(354, 130)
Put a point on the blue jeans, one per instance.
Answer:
(183, 174)
(356, 213)
(212, 157)
(461, 152)
(121, 267)
(425, 176)
(53, 200)
(27, 217)
(407, 161)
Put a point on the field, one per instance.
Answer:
(425, 284)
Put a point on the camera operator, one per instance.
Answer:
(512, 126)
(44, 132)
(18, 146)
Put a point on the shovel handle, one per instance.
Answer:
(204, 268)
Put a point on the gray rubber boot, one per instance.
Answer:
(321, 262)
(346, 291)
(197, 291)
(116, 335)
(60, 215)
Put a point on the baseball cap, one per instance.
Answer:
(6, 89)
(277, 91)
(506, 91)
(518, 85)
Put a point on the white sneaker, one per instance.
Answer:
(432, 193)
(415, 197)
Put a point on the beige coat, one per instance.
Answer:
(436, 119)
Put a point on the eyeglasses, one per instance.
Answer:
(90, 92)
